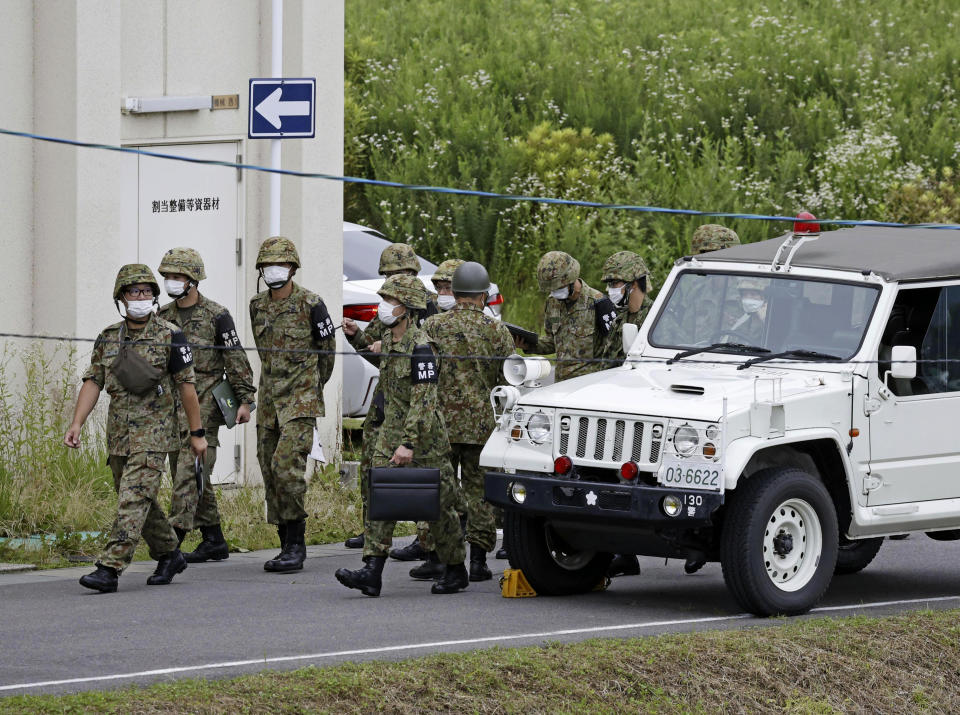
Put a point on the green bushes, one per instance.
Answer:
(753, 107)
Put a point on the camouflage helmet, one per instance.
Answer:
(471, 277)
(758, 284)
(446, 269)
(278, 249)
(713, 237)
(556, 270)
(182, 260)
(624, 266)
(407, 289)
(134, 273)
(398, 257)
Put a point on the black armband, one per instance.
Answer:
(226, 331)
(320, 322)
(181, 356)
(606, 313)
(423, 366)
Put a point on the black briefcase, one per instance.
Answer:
(404, 494)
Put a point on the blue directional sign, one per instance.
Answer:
(282, 108)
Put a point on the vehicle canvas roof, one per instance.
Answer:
(895, 254)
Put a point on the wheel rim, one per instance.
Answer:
(563, 556)
(792, 543)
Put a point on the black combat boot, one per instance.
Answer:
(354, 542)
(368, 580)
(624, 565)
(104, 579)
(454, 579)
(181, 534)
(502, 551)
(694, 563)
(212, 548)
(167, 567)
(282, 533)
(294, 550)
(411, 552)
(479, 571)
(429, 570)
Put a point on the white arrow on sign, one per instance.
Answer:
(271, 108)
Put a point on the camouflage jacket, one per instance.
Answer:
(211, 324)
(613, 346)
(148, 423)
(291, 383)
(577, 330)
(465, 385)
(411, 401)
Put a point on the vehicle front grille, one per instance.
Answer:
(610, 441)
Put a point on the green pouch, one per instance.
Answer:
(137, 376)
(227, 402)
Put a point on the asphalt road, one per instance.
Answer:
(224, 619)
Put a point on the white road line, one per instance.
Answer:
(441, 644)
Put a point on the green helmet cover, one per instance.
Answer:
(182, 260)
(713, 237)
(398, 257)
(131, 274)
(278, 249)
(407, 289)
(624, 266)
(445, 270)
(557, 269)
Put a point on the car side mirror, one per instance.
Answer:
(903, 362)
(630, 332)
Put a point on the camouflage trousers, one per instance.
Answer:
(136, 479)
(445, 532)
(187, 511)
(481, 518)
(282, 452)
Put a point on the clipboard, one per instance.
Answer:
(528, 336)
(228, 403)
(198, 474)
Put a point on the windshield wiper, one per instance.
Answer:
(789, 353)
(716, 346)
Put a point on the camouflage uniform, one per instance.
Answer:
(209, 323)
(465, 387)
(626, 267)
(412, 417)
(141, 430)
(291, 391)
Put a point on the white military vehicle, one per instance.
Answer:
(785, 406)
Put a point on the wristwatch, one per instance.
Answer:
(198, 432)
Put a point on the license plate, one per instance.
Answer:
(685, 475)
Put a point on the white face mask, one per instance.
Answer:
(139, 308)
(615, 294)
(175, 289)
(276, 276)
(751, 305)
(561, 293)
(385, 313)
(446, 302)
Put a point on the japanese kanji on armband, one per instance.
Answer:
(321, 323)
(423, 366)
(606, 313)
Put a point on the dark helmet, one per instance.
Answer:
(471, 277)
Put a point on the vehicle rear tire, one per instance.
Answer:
(550, 566)
(779, 543)
(855, 555)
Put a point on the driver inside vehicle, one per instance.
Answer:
(748, 325)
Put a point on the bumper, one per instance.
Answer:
(577, 501)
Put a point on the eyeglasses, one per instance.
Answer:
(138, 292)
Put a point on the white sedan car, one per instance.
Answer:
(362, 247)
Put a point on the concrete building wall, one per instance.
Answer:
(67, 220)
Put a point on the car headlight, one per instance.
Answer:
(685, 440)
(712, 432)
(538, 428)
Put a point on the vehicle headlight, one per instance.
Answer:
(685, 440)
(518, 492)
(518, 415)
(712, 432)
(538, 428)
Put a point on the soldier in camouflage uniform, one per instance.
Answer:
(576, 319)
(413, 431)
(395, 259)
(712, 237)
(288, 322)
(628, 282)
(204, 323)
(442, 283)
(139, 361)
(465, 387)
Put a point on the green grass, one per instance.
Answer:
(906, 663)
(747, 106)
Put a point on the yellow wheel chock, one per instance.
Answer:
(513, 584)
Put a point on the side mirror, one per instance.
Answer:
(630, 332)
(903, 362)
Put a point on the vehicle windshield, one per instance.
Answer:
(771, 314)
(361, 256)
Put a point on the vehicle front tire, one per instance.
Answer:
(779, 543)
(855, 555)
(550, 566)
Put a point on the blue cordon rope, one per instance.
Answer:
(466, 192)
